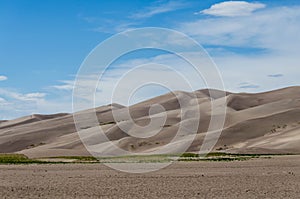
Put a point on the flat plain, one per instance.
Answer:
(275, 177)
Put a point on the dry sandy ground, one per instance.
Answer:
(278, 177)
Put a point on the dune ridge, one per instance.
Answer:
(267, 122)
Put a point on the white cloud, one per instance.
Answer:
(233, 8)
(22, 97)
(235, 69)
(276, 75)
(14, 104)
(18, 104)
(158, 9)
(4, 104)
(275, 30)
(133, 75)
(247, 85)
(3, 78)
(254, 70)
(180, 76)
(2, 100)
(33, 96)
(67, 85)
(113, 26)
(262, 30)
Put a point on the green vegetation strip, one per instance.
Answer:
(22, 159)
(17, 159)
(214, 156)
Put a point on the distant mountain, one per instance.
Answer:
(266, 122)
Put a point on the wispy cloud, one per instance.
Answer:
(108, 24)
(276, 75)
(3, 78)
(265, 48)
(159, 8)
(15, 104)
(232, 8)
(114, 25)
(246, 85)
(66, 85)
(22, 97)
(260, 30)
(2, 101)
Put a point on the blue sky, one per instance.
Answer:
(255, 44)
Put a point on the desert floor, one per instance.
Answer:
(278, 177)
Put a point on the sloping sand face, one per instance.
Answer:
(255, 123)
(278, 177)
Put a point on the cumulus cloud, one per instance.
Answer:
(232, 8)
(3, 78)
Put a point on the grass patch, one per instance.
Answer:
(17, 159)
(189, 155)
(216, 154)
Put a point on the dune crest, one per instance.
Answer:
(266, 122)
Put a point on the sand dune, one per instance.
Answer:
(266, 122)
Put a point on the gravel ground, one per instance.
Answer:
(278, 177)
